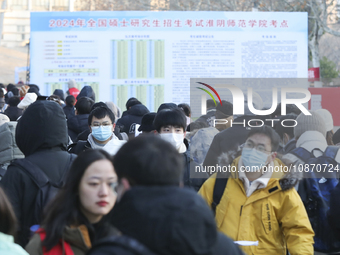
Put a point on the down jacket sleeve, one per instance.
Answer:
(295, 224)
(207, 189)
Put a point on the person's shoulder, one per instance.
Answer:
(207, 188)
(78, 147)
(119, 245)
(224, 245)
(15, 169)
(34, 245)
(7, 246)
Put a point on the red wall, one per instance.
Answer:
(330, 100)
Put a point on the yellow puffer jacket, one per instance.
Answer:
(275, 216)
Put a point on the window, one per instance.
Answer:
(21, 28)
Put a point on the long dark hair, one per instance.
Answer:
(8, 220)
(64, 209)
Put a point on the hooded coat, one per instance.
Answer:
(87, 91)
(274, 216)
(77, 124)
(133, 115)
(8, 147)
(41, 134)
(122, 245)
(60, 93)
(69, 111)
(170, 221)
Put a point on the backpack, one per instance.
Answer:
(315, 191)
(220, 185)
(46, 188)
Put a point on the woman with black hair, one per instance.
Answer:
(8, 224)
(76, 218)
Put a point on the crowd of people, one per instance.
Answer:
(80, 176)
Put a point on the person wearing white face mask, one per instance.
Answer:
(170, 124)
(101, 123)
(257, 204)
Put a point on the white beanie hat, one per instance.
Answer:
(3, 118)
(27, 100)
(327, 118)
(71, 84)
(312, 122)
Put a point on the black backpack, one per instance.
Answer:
(315, 191)
(220, 185)
(47, 189)
(119, 245)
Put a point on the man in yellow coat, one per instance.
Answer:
(259, 202)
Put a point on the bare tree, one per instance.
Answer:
(165, 5)
(320, 14)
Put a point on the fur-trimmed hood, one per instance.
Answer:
(288, 178)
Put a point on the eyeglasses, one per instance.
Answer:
(259, 147)
(105, 124)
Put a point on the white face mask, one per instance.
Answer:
(188, 120)
(175, 139)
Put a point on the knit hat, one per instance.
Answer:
(147, 122)
(312, 122)
(167, 106)
(327, 118)
(113, 108)
(131, 102)
(225, 110)
(3, 118)
(60, 93)
(71, 84)
(23, 90)
(34, 89)
(27, 100)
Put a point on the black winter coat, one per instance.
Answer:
(334, 211)
(119, 245)
(87, 91)
(170, 221)
(76, 125)
(41, 134)
(69, 111)
(13, 112)
(133, 115)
